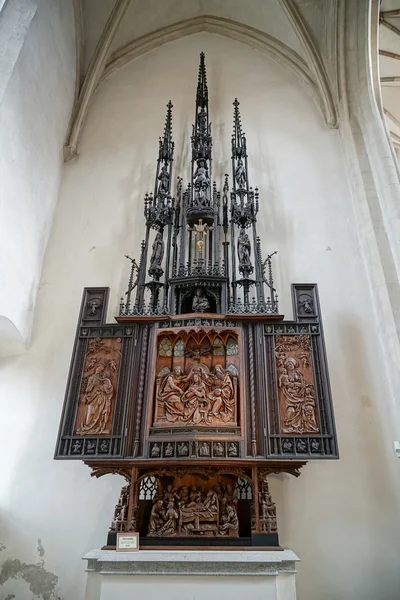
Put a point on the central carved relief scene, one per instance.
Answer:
(197, 378)
(195, 508)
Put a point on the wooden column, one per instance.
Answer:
(133, 499)
(254, 476)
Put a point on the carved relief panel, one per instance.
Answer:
(197, 378)
(298, 411)
(98, 388)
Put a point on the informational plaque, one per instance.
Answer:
(127, 542)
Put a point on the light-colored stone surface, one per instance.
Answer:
(266, 575)
(35, 107)
(190, 562)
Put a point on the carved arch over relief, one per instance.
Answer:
(179, 347)
(165, 347)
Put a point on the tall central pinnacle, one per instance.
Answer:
(202, 89)
(200, 201)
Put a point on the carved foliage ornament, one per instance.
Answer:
(296, 384)
(98, 389)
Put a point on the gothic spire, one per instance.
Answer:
(202, 89)
(238, 137)
(166, 145)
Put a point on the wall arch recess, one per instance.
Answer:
(254, 38)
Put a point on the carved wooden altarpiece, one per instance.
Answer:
(200, 390)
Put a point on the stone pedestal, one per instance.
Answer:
(184, 574)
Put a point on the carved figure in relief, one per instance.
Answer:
(156, 450)
(171, 515)
(171, 393)
(222, 395)
(169, 450)
(97, 398)
(240, 174)
(204, 449)
(199, 396)
(300, 399)
(94, 305)
(200, 301)
(184, 496)
(229, 520)
(232, 449)
(183, 449)
(157, 254)
(306, 305)
(163, 178)
(195, 399)
(157, 518)
(218, 449)
(195, 512)
(244, 249)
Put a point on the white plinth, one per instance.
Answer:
(191, 574)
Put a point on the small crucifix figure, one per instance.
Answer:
(200, 230)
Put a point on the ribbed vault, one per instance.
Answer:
(303, 63)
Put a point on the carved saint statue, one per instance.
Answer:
(240, 174)
(202, 120)
(97, 398)
(200, 301)
(200, 176)
(244, 249)
(300, 415)
(163, 178)
(158, 253)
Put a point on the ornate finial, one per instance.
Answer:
(166, 145)
(238, 137)
(202, 89)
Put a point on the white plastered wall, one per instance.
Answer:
(341, 517)
(37, 78)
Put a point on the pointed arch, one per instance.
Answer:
(313, 78)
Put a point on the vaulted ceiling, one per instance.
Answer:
(301, 35)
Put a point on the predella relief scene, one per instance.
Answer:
(196, 511)
(197, 380)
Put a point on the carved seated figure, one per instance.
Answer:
(157, 518)
(229, 520)
(200, 301)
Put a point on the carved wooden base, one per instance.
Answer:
(197, 506)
